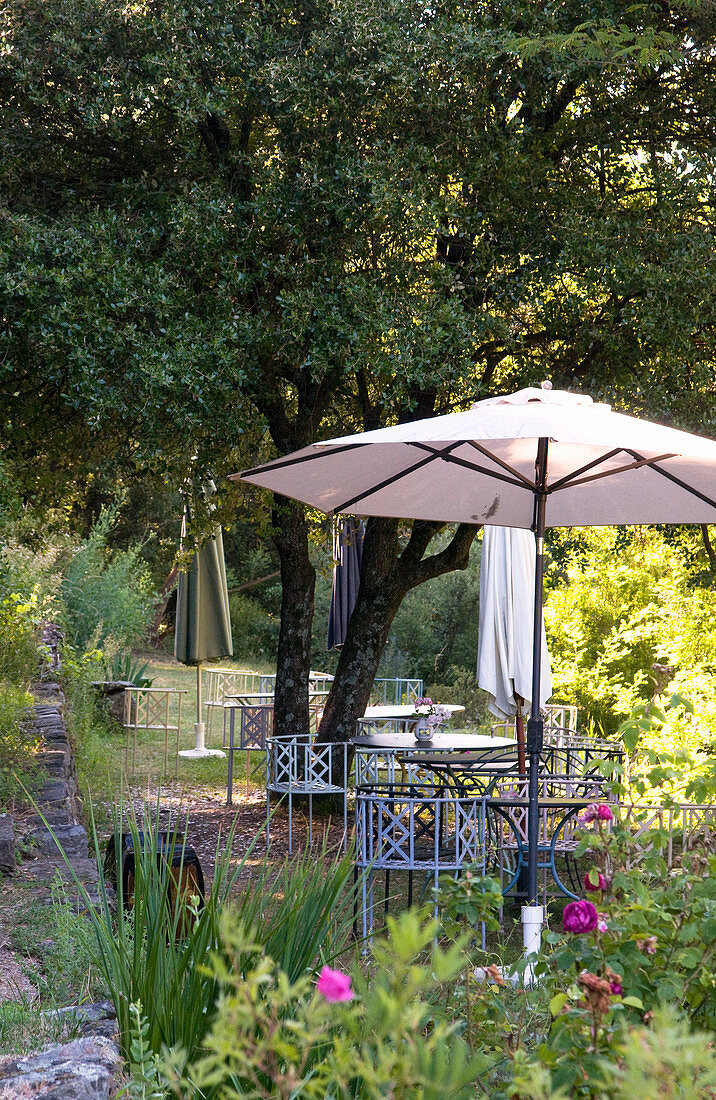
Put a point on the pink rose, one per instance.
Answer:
(616, 989)
(596, 811)
(580, 916)
(648, 945)
(334, 985)
(602, 925)
(589, 885)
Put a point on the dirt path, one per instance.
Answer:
(208, 822)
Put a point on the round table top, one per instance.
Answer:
(386, 711)
(439, 742)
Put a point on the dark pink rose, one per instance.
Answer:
(616, 989)
(334, 985)
(596, 811)
(601, 885)
(580, 916)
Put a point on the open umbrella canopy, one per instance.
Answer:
(478, 466)
(536, 458)
(507, 595)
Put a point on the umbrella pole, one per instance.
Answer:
(532, 913)
(199, 727)
(520, 732)
(199, 749)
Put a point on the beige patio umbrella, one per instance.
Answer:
(203, 624)
(536, 458)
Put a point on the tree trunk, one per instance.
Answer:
(298, 579)
(387, 575)
(160, 611)
(378, 600)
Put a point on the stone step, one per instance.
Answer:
(46, 870)
(85, 1069)
(7, 844)
(72, 838)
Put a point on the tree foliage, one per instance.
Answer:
(233, 228)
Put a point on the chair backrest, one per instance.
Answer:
(256, 725)
(302, 765)
(396, 689)
(152, 708)
(411, 826)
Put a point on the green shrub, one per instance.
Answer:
(108, 596)
(435, 629)
(461, 687)
(666, 1060)
(659, 927)
(628, 601)
(19, 658)
(254, 629)
(152, 956)
(17, 746)
(301, 913)
(125, 668)
(274, 1037)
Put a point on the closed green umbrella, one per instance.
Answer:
(203, 625)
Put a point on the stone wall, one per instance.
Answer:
(87, 1068)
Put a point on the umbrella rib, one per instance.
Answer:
(392, 479)
(569, 484)
(583, 469)
(281, 463)
(505, 465)
(677, 480)
(522, 483)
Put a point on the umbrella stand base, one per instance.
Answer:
(200, 749)
(532, 918)
(197, 753)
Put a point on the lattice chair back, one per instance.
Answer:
(576, 753)
(256, 725)
(376, 766)
(414, 827)
(299, 766)
(150, 708)
(395, 689)
(560, 718)
(222, 683)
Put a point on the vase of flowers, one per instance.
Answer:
(429, 717)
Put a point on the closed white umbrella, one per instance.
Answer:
(537, 458)
(504, 648)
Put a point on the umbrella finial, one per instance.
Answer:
(546, 385)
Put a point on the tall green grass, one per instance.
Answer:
(301, 914)
(153, 956)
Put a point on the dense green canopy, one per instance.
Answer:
(231, 228)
